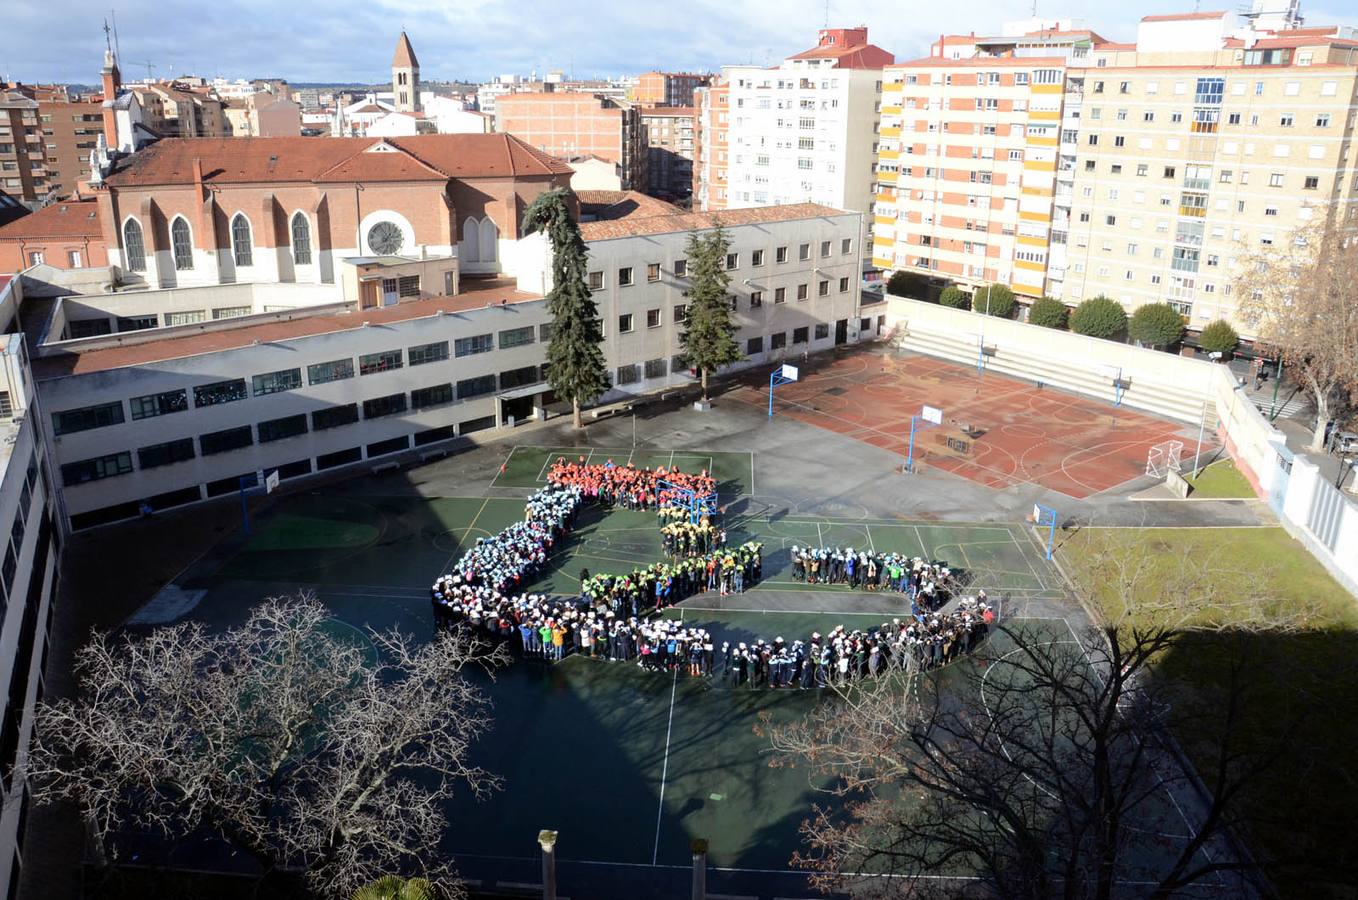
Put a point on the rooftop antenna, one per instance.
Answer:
(827, 13)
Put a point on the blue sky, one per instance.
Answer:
(310, 40)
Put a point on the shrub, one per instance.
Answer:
(908, 284)
(1049, 313)
(1099, 317)
(995, 300)
(953, 298)
(1218, 337)
(1157, 325)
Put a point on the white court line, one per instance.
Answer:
(546, 461)
(820, 538)
(752, 490)
(867, 529)
(664, 769)
(504, 466)
(923, 546)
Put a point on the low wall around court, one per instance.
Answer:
(1323, 518)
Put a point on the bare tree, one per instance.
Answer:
(304, 746)
(1045, 765)
(1302, 296)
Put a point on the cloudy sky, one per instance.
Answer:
(328, 41)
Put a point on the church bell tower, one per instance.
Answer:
(405, 76)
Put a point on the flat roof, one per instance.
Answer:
(477, 293)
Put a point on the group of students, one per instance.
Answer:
(629, 486)
(686, 538)
(729, 570)
(928, 584)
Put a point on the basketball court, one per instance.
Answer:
(995, 430)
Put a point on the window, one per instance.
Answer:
(545, 332)
(1323, 120)
(778, 341)
(678, 365)
(1287, 120)
(734, 302)
(134, 246)
(181, 242)
(335, 370)
(220, 392)
(189, 317)
(421, 354)
(799, 335)
(596, 281)
(824, 248)
(653, 318)
(334, 416)
(653, 271)
(823, 288)
(1312, 182)
(161, 404)
(780, 255)
(520, 377)
(276, 382)
(757, 258)
(241, 246)
(390, 405)
(516, 337)
(164, 454)
(372, 363)
(301, 240)
(231, 312)
(846, 246)
(756, 299)
(844, 285)
(137, 323)
(822, 331)
(1275, 180)
(802, 291)
(732, 261)
(804, 252)
(625, 323)
(408, 286)
(437, 395)
(215, 442)
(278, 429)
(754, 345)
(655, 368)
(475, 387)
(680, 268)
(625, 276)
(680, 312)
(98, 468)
(629, 374)
(72, 420)
(780, 295)
(467, 346)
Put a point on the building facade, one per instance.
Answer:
(28, 576)
(173, 410)
(668, 88)
(711, 147)
(65, 235)
(1173, 156)
(669, 135)
(806, 130)
(566, 124)
(23, 161)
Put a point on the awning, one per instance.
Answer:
(527, 390)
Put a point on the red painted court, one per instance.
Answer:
(996, 430)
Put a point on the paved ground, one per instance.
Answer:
(371, 544)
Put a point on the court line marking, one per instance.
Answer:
(919, 536)
(504, 466)
(872, 548)
(665, 768)
(466, 531)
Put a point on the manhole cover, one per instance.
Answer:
(836, 391)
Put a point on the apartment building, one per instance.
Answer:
(28, 575)
(181, 109)
(711, 146)
(23, 161)
(668, 88)
(669, 137)
(566, 123)
(806, 130)
(1141, 171)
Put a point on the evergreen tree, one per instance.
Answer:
(575, 360)
(708, 338)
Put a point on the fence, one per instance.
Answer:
(1310, 508)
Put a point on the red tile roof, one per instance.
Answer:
(676, 111)
(863, 56)
(982, 61)
(476, 295)
(74, 218)
(614, 205)
(633, 226)
(1185, 17)
(405, 54)
(274, 159)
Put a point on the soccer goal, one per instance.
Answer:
(1164, 458)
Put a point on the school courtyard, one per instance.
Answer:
(627, 765)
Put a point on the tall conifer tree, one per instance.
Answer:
(708, 338)
(575, 360)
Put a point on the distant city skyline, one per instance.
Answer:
(306, 41)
